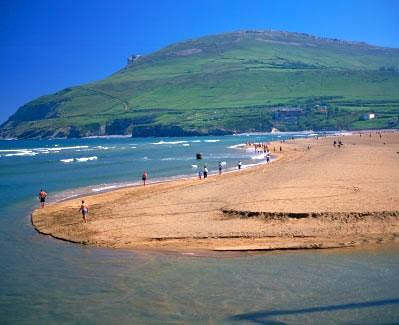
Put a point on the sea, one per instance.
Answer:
(47, 281)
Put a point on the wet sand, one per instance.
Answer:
(322, 197)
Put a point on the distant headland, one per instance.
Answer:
(244, 81)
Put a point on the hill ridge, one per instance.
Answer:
(225, 83)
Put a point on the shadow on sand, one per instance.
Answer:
(263, 317)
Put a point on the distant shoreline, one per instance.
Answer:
(290, 204)
(128, 136)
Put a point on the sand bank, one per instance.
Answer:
(322, 197)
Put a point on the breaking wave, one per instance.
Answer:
(81, 159)
(169, 142)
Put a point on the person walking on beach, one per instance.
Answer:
(144, 177)
(239, 165)
(42, 197)
(205, 172)
(199, 174)
(220, 168)
(85, 210)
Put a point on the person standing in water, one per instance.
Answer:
(205, 172)
(42, 197)
(85, 210)
(239, 164)
(144, 177)
(220, 168)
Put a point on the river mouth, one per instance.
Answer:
(304, 205)
(45, 280)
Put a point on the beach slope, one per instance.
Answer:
(314, 196)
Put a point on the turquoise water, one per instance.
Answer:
(43, 280)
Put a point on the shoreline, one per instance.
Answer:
(188, 214)
(117, 136)
(109, 187)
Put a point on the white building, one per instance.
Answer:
(369, 116)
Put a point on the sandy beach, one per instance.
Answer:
(322, 197)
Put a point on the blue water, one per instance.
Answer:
(43, 280)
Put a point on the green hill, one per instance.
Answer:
(231, 82)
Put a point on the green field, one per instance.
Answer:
(232, 82)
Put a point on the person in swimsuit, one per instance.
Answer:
(42, 197)
(220, 167)
(85, 210)
(145, 176)
(205, 172)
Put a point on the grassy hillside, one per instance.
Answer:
(231, 82)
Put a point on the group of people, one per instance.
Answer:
(260, 147)
(370, 134)
(263, 147)
(204, 172)
(338, 143)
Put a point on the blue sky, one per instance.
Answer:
(46, 46)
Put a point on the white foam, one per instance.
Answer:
(133, 147)
(22, 153)
(15, 150)
(67, 160)
(57, 149)
(194, 166)
(176, 158)
(169, 142)
(261, 156)
(196, 141)
(223, 163)
(43, 150)
(98, 189)
(84, 159)
(186, 144)
(212, 140)
(248, 166)
(345, 133)
(241, 145)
